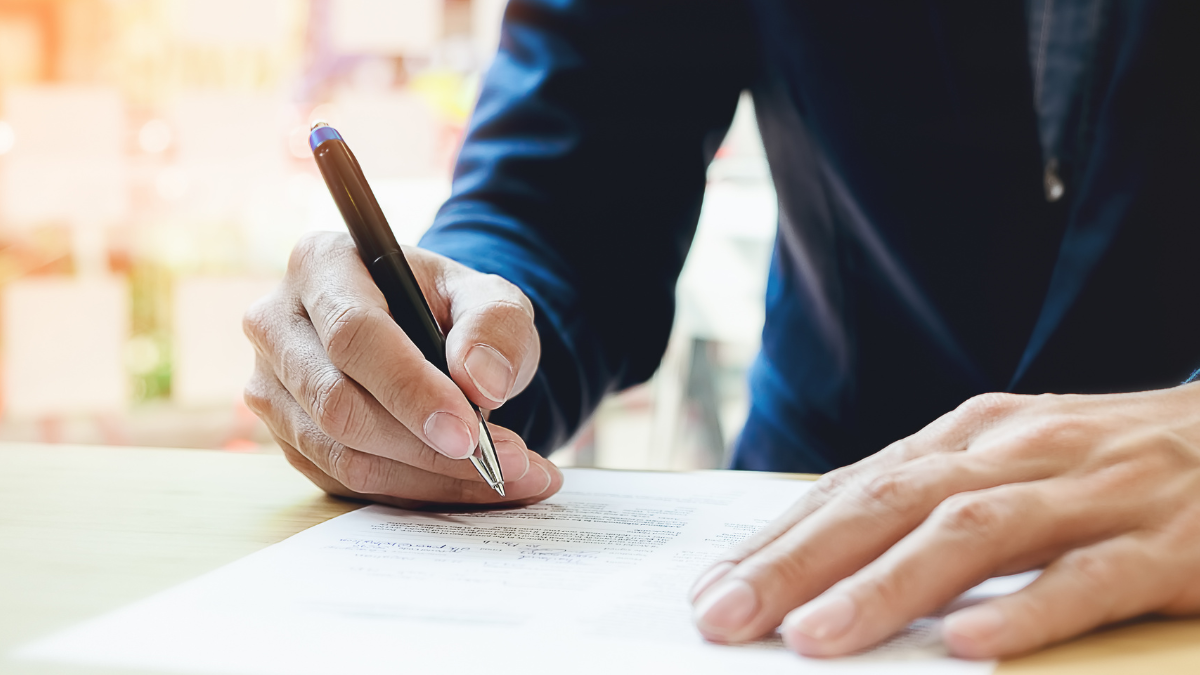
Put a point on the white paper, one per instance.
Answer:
(592, 581)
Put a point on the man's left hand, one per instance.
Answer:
(1103, 492)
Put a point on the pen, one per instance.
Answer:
(385, 261)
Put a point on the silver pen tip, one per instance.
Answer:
(499, 488)
(317, 125)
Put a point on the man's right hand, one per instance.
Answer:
(356, 407)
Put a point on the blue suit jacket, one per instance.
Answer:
(918, 261)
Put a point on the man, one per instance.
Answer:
(979, 202)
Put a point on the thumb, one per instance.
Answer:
(492, 347)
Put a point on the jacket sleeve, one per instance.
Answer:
(581, 177)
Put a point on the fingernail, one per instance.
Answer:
(825, 618)
(514, 461)
(490, 371)
(976, 624)
(708, 578)
(449, 435)
(549, 480)
(727, 607)
(532, 484)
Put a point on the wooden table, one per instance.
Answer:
(84, 530)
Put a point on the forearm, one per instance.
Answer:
(581, 179)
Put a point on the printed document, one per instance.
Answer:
(594, 580)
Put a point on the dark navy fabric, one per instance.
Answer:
(918, 261)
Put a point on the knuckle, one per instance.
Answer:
(509, 326)
(465, 492)
(516, 297)
(788, 569)
(892, 492)
(341, 331)
(831, 483)
(307, 252)
(496, 300)
(411, 399)
(258, 319)
(1165, 451)
(905, 450)
(1094, 571)
(780, 564)
(311, 441)
(332, 405)
(794, 570)
(506, 293)
(1049, 399)
(1055, 434)
(256, 396)
(971, 516)
(989, 406)
(1059, 430)
(885, 590)
(352, 469)
(510, 315)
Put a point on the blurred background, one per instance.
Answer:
(155, 173)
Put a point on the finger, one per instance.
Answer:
(1086, 588)
(492, 346)
(952, 432)
(970, 538)
(821, 492)
(372, 477)
(862, 522)
(355, 329)
(332, 487)
(340, 409)
(829, 486)
(312, 472)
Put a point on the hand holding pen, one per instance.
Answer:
(360, 409)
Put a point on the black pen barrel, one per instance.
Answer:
(395, 279)
(379, 250)
(354, 199)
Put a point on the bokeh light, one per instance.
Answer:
(155, 136)
(8, 137)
